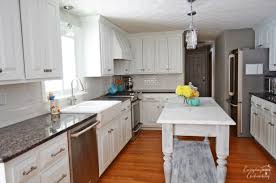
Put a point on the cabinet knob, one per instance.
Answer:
(108, 70)
(47, 70)
(1, 70)
(126, 118)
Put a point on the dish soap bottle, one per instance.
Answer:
(54, 109)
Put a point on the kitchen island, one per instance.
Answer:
(206, 120)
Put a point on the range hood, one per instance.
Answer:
(121, 46)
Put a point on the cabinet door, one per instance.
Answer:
(175, 54)
(258, 121)
(162, 55)
(115, 138)
(104, 144)
(148, 55)
(53, 40)
(150, 113)
(136, 50)
(41, 38)
(128, 130)
(253, 121)
(265, 131)
(273, 136)
(272, 49)
(11, 52)
(106, 44)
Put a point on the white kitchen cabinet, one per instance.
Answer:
(39, 165)
(11, 51)
(113, 136)
(136, 46)
(151, 111)
(97, 39)
(125, 128)
(148, 55)
(262, 124)
(41, 39)
(122, 67)
(175, 46)
(104, 148)
(162, 55)
(106, 50)
(157, 53)
(265, 37)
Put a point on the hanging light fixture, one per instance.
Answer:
(191, 32)
(66, 26)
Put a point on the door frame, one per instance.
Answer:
(211, 45)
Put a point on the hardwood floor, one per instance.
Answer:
(141, 161)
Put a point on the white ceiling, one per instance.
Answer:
(213, 16)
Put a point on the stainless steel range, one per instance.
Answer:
(135, 99)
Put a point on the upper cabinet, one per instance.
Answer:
(265, 37)
(157, 53)
(41, 38)
(97, 38)
(40, 55)
(11, 52)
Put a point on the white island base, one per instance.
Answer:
(206, 120)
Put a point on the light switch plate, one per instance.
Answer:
(3, 99)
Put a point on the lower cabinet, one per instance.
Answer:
(46, 163)
(262, 124)
(113, 136)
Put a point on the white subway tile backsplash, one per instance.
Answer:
(157, 82)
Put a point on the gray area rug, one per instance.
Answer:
(193, 163)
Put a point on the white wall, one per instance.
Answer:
(157, 82)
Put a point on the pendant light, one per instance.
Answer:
(191, 32)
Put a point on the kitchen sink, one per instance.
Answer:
(95, 106)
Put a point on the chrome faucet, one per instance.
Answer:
(73, 97)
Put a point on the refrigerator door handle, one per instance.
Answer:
(233, 105)
(231, 79)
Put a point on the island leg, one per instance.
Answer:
(167, 148)
(222, 151)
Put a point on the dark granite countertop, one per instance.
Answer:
(21, 137)
(266, 96)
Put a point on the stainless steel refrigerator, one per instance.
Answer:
(247, 68)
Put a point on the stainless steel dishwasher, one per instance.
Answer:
(83, 153)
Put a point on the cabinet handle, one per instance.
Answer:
(47, 70)
(255, 114)
(126, 118)
(274, 113)
(108, 70)
(266, 109)
(112, 130)
(60, 151)
(162, 107)
(260, 45)
(1, 70)
(271, 124)
(258, 105)
(274, 64)
(126, 70)
(123, 110)
(61, 178)
(25, 173)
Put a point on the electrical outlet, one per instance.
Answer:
(3, 99)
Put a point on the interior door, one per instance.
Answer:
(198, 70)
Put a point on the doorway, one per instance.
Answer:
(198, 69)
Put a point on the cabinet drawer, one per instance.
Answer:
(53, 150)
(25, 169)
(58, 173)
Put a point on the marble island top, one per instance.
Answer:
(209, 112)
(21, 137)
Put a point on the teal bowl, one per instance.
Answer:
(193, 101)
